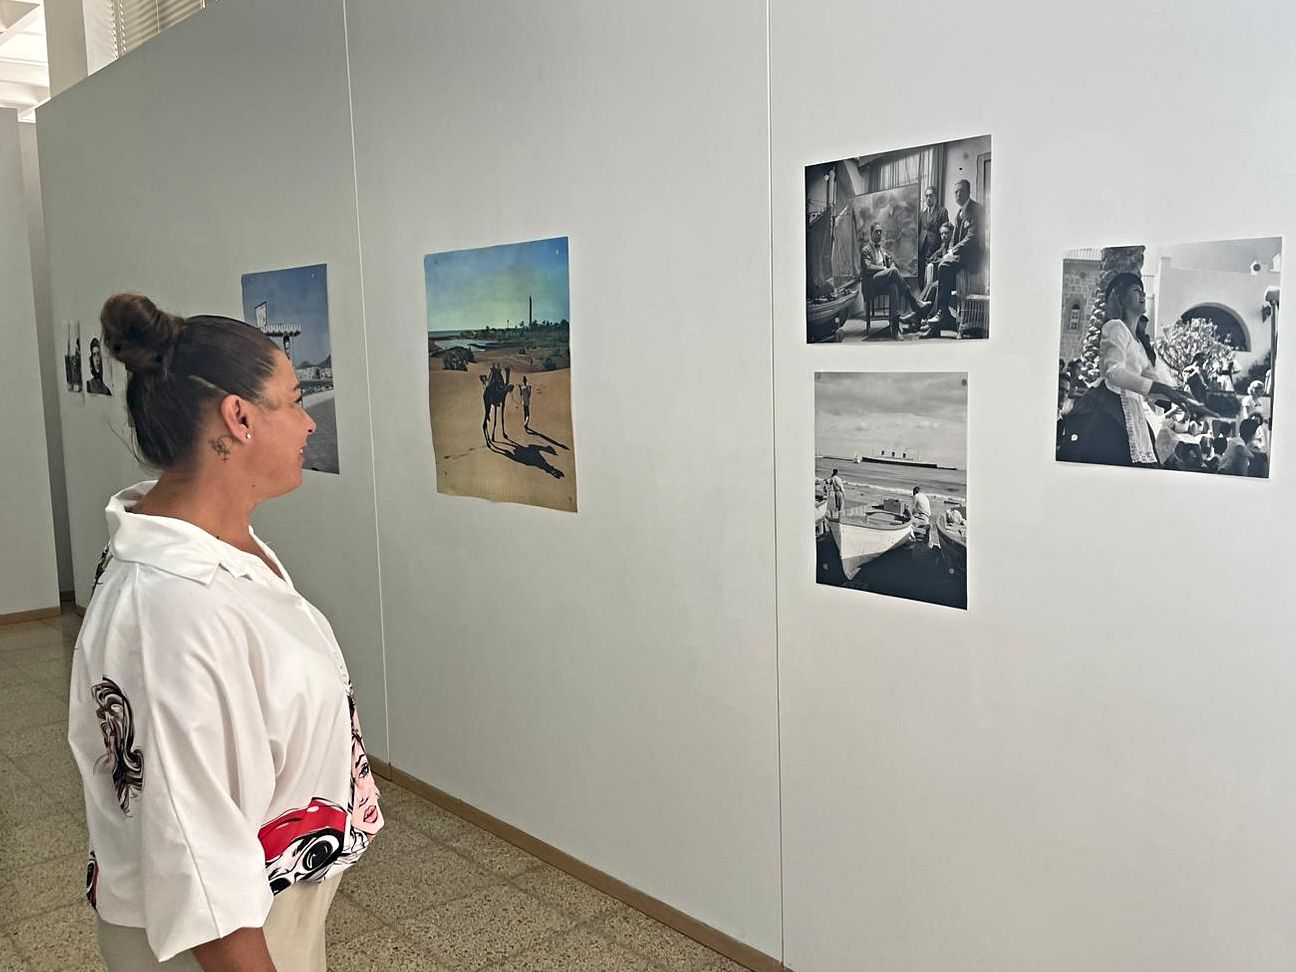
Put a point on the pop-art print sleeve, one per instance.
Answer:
(209, 776)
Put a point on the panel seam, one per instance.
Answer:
(369, 384)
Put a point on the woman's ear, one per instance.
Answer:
(236, 417)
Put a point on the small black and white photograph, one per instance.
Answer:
(898, 245)
(890, 484)
(99, 382)
(1166, 358)
(72, 359)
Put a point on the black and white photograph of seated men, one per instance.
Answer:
(898, 245)
(1167, 356)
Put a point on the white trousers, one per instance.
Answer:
(294, 933)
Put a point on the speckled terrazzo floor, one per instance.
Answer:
(433, 893)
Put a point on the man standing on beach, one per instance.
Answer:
(838, 495)
(525, 392)
(921, 513)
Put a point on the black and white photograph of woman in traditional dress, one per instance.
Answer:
(1167, 356)
(898, 244)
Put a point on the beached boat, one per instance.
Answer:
(832, 264)
(825, 315)
(868, 536)
(953, 540)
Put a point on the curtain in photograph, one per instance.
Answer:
(918, 166)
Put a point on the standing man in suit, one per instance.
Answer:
(966, 252)
(930, 220)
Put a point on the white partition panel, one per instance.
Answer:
(603, 680)
(28, 568)
(221, 147)
(1089, 768)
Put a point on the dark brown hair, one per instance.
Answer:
(180, 368)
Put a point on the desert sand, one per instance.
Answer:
(537, 467)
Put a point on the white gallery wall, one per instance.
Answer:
(27, 560)
(51, 359)
(1089, 768)
(222, 148)
(605, 680)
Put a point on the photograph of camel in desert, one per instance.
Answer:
(499, 373)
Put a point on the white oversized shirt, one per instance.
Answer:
(213, 723)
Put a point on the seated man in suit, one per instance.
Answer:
(966, 252)
(928, 297)
(878, 263)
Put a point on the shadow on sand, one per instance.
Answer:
(541, 435)
(528, 455)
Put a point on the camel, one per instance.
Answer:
(496, 391)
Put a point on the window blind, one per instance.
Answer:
(135, 21)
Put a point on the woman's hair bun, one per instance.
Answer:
(137, 333)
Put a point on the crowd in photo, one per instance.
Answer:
(1210, 416)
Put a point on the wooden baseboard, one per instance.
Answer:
(712, 938)
(21, 617)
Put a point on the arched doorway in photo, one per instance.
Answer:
(1228, 328)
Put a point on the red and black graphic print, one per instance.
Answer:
(302, 844)
(124, 761)
(365, 816)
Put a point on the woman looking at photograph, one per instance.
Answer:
(1116, 423)
(211, 713)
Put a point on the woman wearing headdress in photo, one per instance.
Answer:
(1116, 423)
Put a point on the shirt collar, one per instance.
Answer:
(177, 546)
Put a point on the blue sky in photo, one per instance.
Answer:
(471, 289)
(298, 295)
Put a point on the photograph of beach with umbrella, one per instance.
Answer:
(291, 306)
(1167, 356)
(499, 373)
(890, 484)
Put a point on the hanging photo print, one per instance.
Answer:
(1167, 356)
(100, 370)
(72, 360)
(890, 484)
(898, 244)
(499, 373)
(291, 306)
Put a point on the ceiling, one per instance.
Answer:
(24, 62)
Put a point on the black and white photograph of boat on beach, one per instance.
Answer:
(890, 484)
